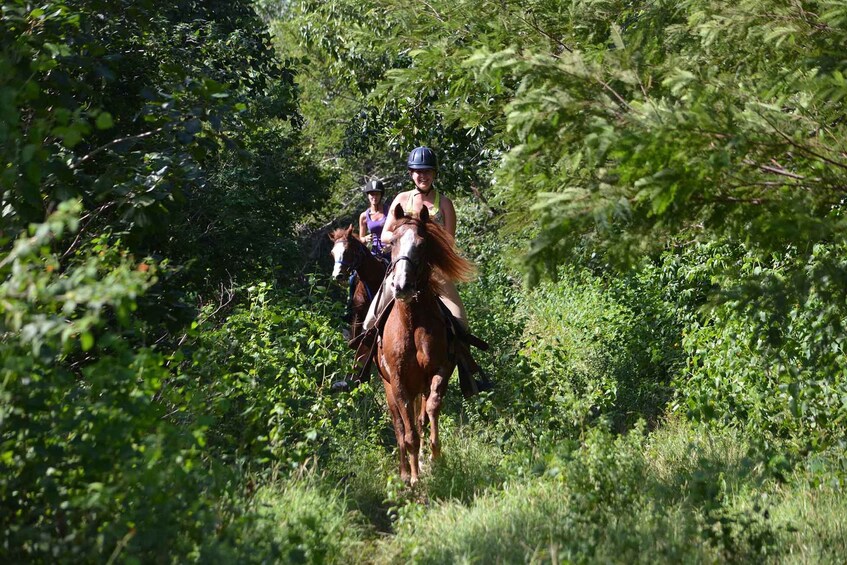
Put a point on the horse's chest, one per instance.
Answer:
(421, 348)
(429, 351)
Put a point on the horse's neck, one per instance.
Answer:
(425, 305)
(371, 271)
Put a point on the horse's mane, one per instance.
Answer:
(445, 261)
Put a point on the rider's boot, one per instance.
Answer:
(468, 367)
(361, 367)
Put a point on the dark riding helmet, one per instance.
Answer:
(373, 186)
(422, 158)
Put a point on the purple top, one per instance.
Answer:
(375, 227)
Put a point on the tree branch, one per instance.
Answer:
(434, 11)
(731, 200)
(88, 218)
(534, 25)
(115, 142)
(802, 147)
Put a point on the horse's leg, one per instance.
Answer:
(399, 431)
(420, 410)
(412, 440)
(437, 389)
(359, 309)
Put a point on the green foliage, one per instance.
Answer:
(159, 403)
(782, 375)
(135, 140)
(262, 376)
(614, 131)
(290, 522)
(112, 448)
(596, 347)
(83, 436)
(370, 73)
(167, 124)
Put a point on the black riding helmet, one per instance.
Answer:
(422, 158)
(373, 186)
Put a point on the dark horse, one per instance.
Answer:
(413, 354)
(351, 255)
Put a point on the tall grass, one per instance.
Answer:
(683, 494)
(297, 520)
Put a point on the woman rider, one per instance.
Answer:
(423, 167)
(372, 220)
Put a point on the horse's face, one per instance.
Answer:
(407, 255)
(344, 255)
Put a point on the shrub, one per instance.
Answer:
(263, 376)
(594, 349)
(91, 465)
(292, 521)
(768, 356)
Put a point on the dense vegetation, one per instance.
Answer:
(653, 193)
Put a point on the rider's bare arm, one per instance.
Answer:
(449, 215)
(363, 227)
(388, 228)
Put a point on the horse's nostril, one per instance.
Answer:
(404, 291)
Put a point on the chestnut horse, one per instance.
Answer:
(351, 255)
(413, 355)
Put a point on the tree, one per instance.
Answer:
(147, 152)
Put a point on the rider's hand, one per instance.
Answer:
(368, 239)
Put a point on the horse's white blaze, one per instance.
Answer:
(401, 269)
(337, 254)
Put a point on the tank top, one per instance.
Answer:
(375, 227)
(434, 211)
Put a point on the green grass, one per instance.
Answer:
(813, 511)
(681, 493)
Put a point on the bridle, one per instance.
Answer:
(355, 263)
(420, 274)
(404, 258)
(414, 263)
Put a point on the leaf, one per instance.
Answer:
(86, 341)
(616, 36)
(104, 120)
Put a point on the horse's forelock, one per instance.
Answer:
(338, 233)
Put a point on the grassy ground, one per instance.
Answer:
(678, 494)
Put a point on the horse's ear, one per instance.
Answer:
(349, 230)
(398, 212)
(424, 214)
